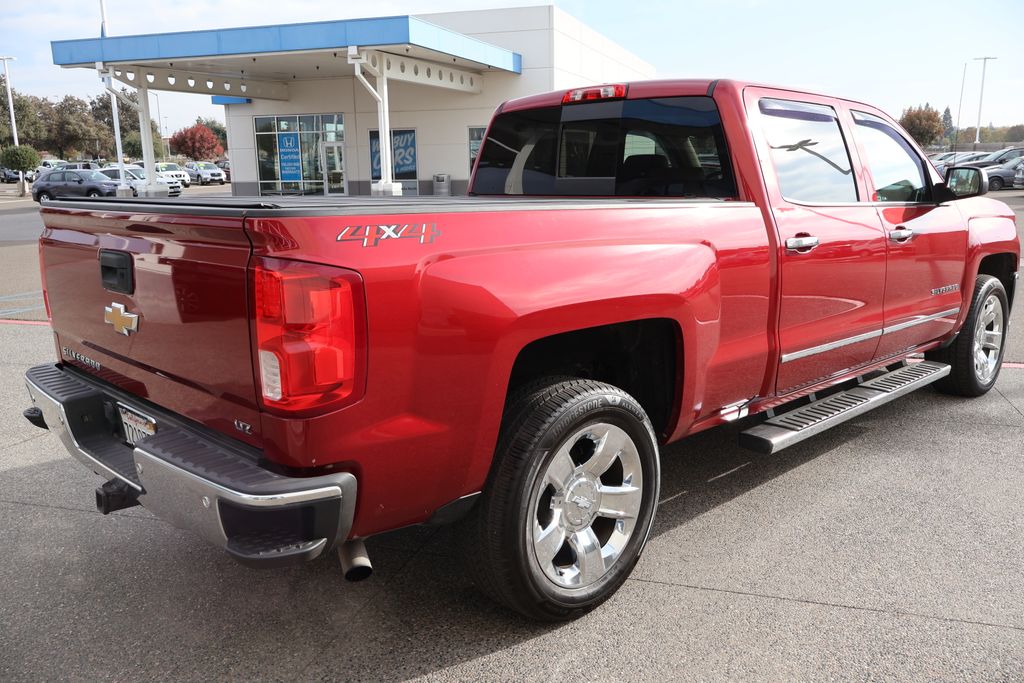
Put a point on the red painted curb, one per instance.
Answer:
(24, 322)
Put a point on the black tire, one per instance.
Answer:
(222, 182)
(964, 378)
(44, 197)
(94, 193)
(995, 183)
(495, 540)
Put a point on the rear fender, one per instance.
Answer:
(494, 304)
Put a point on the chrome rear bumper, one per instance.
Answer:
(195, 479)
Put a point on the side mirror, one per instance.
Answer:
(966, 181)
(79, 181)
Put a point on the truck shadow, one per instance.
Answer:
(194, 614)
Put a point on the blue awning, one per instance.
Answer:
(284, 38)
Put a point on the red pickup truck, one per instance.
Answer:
(637, 263)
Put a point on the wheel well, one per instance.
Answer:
(1004, 267)
(639, 357)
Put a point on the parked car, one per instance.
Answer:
(1018, 178)
(225, 166)
(84, 165)
(49, 165)
(136, 179)
(957, 159)
(996, 158)
(290, 377)
(167, 169)
(1003, 175)
(204, 172)
(61, 183)
(8, 176)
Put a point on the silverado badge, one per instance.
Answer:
(125, 323)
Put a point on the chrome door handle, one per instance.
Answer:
(901, 234)
(802, 244)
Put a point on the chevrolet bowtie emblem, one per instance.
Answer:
(125, 323)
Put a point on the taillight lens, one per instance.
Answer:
(310, 336)
(600, 92)
(42, 279)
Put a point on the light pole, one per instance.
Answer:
(984, 63)
(959, 109)
(163, 131)
(160, 124)
(14, 124)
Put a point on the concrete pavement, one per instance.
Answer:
(888, 548)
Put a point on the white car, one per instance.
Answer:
(204, 172)
(136, 178)
(49, 165)
(167, 170)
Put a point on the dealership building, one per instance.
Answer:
(305, 104)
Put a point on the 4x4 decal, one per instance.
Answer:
(372, 235)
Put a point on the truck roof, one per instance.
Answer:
(667, 87)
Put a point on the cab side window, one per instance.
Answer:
(808, 152)
(896, 170)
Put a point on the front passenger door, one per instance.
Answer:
(74, 185)
(926, 241)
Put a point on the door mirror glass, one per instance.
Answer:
(966, 181)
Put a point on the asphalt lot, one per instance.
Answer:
(889, 548)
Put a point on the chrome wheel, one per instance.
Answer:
(988, 339)
(585, 506)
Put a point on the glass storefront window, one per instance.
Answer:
(476, 138)
(276, 138)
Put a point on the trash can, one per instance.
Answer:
(442, 185)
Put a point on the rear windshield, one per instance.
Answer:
(667, 147)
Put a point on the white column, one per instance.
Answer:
(123, 190)
(146, 133)
(387, 184)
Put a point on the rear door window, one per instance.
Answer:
(808, 152)
(664, 147)
(896, 170)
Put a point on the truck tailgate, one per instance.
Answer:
(171, 322)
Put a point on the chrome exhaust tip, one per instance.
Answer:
(355, 563)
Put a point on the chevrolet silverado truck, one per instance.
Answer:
(635, 263)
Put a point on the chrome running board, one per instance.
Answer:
(793, 427)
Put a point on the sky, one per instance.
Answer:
(892, 54)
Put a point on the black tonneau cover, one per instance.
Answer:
(353, 206)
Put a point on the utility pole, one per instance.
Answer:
(984, 63)
(14, 124)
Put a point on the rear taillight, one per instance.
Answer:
(42, 279)
(310, 336)
(600, 92)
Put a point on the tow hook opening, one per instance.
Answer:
(35, 416)
(115, 495)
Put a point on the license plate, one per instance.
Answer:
(136, 425)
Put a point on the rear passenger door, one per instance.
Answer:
(926, 241)
(831, 248)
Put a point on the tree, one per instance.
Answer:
(131, 144)
(197, 142)
(218, 128)
(21, 158)
(72, 126)
(947, 123)
(31, 113)
(1015, 133)
(103, 112)
(923, 123)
